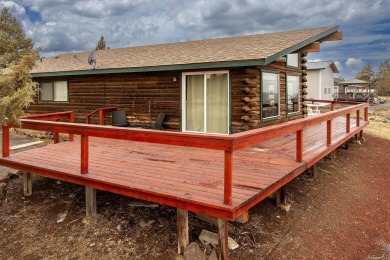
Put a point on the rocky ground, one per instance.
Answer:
(343, 213)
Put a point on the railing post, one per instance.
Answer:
(348, 122)
(332, 106)
(299, 146)
(328, 132)
(56, 137)
(101, 116)
(84, 154)
(71, 120)
(228, 182)
(5, 141)
(357, 117)
(366, 114)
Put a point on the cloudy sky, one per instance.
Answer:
(61, 26)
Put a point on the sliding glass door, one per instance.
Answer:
(206, 102)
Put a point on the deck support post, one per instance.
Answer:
(223, 235)
(228, 182)
(27, 184)
(90, 201)
(243, 218)
(361, 134)
(182, 230)
(313, 170)
(5, 141)
(281, 199)
(333, 154)
(346, 145)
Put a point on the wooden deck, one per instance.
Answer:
(185, 177)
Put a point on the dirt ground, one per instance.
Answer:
(342, 213)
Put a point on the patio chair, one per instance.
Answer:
(119, 118)
(159, 120)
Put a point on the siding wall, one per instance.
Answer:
(144, 95)
(318, 80)
(313, 84)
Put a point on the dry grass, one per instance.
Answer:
(379, 124)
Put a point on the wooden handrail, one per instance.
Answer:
(334, 101)
(54, 117)
(102, 111)
(227, 143)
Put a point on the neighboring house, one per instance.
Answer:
(336, 87)
(320, 79)
(221, 86)
(354, 90)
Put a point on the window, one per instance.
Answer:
(325, 91)
(292, 93)
(270, 95)
(55, 91)
(292, 60)
(206, 102)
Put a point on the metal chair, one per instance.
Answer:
(159, 120)
(119, 118)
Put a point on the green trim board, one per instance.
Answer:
(224, 64)
(211, 65)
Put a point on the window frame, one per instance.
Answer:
(299, 94)
(53, 86)
(277, 73)
(183, 89)
(289, 57)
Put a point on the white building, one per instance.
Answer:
(320, 79)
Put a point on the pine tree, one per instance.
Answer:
(101, 45)
(18, 58)
(13, 41)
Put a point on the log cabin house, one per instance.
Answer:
(222, 86)
(236, 108)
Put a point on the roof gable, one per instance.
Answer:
(247, 50)
(318, 65)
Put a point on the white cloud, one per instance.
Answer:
(354, 65)
(70, 25)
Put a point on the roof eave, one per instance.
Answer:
(181, 67)
(300, 45)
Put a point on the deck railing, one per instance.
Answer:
(226, 143)
(68, 115)
(102, 112)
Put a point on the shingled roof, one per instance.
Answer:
(318, 65)
(247, 50)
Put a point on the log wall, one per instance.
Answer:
(144, 95)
